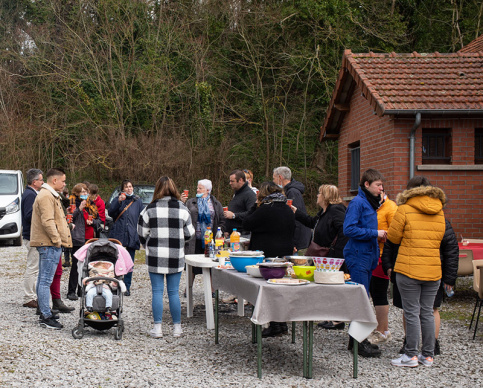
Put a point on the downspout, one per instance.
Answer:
(412, 138)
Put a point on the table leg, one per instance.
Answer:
(293, 332)
(189, 291)
(355, 350)
(311, 348)
(254, 333)
(217, 295)
(304, 351)
(259, 351)
(210, 324)
(241, 307)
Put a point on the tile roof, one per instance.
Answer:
(405, 83)
(474, 46)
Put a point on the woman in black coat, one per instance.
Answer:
(328, 230)
(272, 226)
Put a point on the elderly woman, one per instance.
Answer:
(83, 230)
(125, 213)
(327, 230)
(272, 224)
(206, 211)
(164, 227)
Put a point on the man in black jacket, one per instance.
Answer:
(282, 176)
(34, 182)
(243, 200)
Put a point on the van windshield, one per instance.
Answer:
(8, 184)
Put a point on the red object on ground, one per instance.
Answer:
(476, 248)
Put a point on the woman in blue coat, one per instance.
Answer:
(125, 213)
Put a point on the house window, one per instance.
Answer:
(479, 146)
(355, 151)
(436, 146)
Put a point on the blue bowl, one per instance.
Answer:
(239, 263)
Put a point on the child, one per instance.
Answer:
(101, 269)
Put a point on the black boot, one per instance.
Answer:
(274, 330)
(58, 304)
(365, 348)
(437, 350)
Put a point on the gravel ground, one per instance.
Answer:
(31, 356)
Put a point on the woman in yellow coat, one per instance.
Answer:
(418, 228)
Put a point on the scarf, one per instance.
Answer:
(90, 208)
(204, 216)
(374, 201)
(274, 197)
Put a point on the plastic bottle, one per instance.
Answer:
(212, 250)
(219, 240)
(208, 237)
(450, 292)
(235, 241)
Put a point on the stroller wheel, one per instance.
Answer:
(118, 333)
(77, 332)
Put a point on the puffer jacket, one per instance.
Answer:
(418, 227)
(385, 214)
(450, 253)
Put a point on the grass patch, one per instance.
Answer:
(140, 257)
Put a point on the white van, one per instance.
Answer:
(11, 189)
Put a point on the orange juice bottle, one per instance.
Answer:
(235, 241)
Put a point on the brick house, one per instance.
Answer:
(413, 114)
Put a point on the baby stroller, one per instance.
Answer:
(100, 250)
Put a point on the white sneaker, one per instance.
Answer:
(426, 361)
(405, 360)
(157, 331)
(377, 338)
(177, 331)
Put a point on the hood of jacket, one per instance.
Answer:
(426, 199)
(295, 185)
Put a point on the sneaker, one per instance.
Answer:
(156, 332)
(426, 361)
(377, 338)
(405, 360)
(177, 331)
(50, 323)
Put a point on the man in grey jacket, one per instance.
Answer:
(282, 176)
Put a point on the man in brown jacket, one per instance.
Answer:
(49, 233)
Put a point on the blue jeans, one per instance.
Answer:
(106, 293)
(360, 275)
(157, 287)
(417, 300)
(128, 276)
(48, 261)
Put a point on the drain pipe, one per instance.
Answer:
(412, 138)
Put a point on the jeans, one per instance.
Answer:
(48, 262)
(360, 275)
(106, 294)
(157, 286)
(128, 276)
(417, 300)
(55, 286)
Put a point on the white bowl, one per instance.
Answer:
(253, 270)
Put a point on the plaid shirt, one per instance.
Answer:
(163, 228)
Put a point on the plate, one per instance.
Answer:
(247, 254)
(225, 267)
(288, 282)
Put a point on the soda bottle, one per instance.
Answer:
(219, 240)
(212, 250)
(208, 237)
(235, 241)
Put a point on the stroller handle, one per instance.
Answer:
(115, 241)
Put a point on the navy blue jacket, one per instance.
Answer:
(360, 226)
(294, 191)
(125, 228)
(28, 199)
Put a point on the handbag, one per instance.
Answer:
(316, 250)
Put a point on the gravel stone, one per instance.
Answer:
(37, 357)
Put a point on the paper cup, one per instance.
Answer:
(289, 202)
(186, 192)
(225, 208)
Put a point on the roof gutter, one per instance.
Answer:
(412, 112)
(412, 138)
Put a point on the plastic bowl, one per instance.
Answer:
(331, 264)
(304, 272)
(253, 270)
(272, 272)
(300, 260)
(239, 263)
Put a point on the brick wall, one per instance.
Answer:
(384, 145)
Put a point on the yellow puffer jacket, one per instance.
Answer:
(418, 226)
(385, 215)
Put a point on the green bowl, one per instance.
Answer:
(304, 272)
